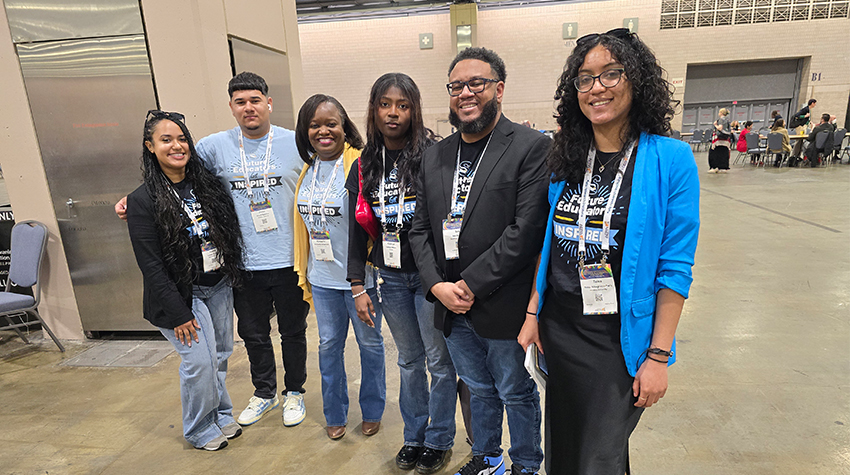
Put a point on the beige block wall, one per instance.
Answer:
(344, 58)
(191, 66)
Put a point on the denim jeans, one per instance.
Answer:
(411, 321)
(334, 309)
(494, 371)
(253, 301)
(203, 366)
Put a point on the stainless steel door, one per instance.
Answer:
(89, 99)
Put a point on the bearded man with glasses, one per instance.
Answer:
(479, 222)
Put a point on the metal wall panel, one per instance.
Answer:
(88, 100)
(273, 66)
(66, 19)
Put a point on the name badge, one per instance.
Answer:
(210, 257)
(320, 244)
(263, 216)
(451, 234)
(598, 292)
(392, 250)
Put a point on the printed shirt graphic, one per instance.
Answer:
(327, 274)
(187, 194)
(470, 154)
(220, 154)
(564, 254)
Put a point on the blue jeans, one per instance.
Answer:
(494, 371)
(203, 366)
(334, 309)
(411, 320)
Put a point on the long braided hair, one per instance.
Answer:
(170, 219)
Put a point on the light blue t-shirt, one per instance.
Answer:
(220, 154)
(327, 274)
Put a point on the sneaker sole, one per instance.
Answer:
(258, 417)
(237, 434)
(294, 423)
(223, 445)
(427, 471)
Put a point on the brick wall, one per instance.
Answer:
(344, 58)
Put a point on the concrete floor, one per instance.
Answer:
(762, 385)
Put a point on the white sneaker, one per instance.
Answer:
(257, 407)
(293, 409)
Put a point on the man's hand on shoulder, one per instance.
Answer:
(121, 208)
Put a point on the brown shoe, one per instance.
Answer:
(370, 428)
(336, 432)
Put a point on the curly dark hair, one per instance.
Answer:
(482, 54)
(651, 110)
(171, 220)
(305, 115)
(417, 134)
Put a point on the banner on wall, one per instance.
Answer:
(7, 221)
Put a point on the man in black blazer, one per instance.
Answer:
(487, 184)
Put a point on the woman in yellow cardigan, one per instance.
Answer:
(329, 143)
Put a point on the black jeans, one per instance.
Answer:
(253, 303)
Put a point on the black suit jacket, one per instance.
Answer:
(502, 230)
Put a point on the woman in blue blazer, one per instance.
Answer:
(608, 305)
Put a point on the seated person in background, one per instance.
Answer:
(774, 116)
(742, 139)
(779, 127)
(812, 151)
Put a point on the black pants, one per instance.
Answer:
(718, 157)
(253, 303)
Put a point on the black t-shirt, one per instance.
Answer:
(359, 236)
(187, 194)
(563, 271)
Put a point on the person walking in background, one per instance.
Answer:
(329, 143)
(181, 227)
(480, 216)
(389, 165)
(615, 268)
(718, 154)
(796, 122)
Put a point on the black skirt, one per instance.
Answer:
(718, 157)
(590, 410)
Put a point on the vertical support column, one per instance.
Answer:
(464, 18)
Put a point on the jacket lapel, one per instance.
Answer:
(499, 143)
(447, 158)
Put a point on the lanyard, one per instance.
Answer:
(609, 207)
(316, 161)
(381, 193)
(456, 207)
(265, 165)
(191, 214)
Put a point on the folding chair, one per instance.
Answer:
(696, 138)
(29, 241)
(774, 146)
(837, 142)
(754, 148)
(676, 134)
(823, 146)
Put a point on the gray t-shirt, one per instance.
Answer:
(220, 154)
(331, 178)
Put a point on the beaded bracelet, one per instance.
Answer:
(358, 294)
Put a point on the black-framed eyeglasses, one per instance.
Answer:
(475, 86)
(158, 114)
(608, 78)
(621, 33)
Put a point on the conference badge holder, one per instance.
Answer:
(263, 216)
(451, 235)
(210, 257)
(598, 291)
(392, 250)
(320, 244)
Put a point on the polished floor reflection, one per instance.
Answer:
(762, 385)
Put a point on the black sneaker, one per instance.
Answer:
(517, 469)
(432, 460)
(408, 456)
